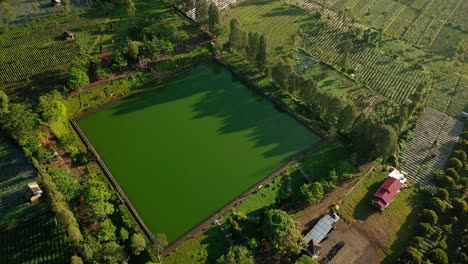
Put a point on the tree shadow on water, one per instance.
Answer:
(237, 109)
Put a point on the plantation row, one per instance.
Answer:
(459, 99)
(423, 31)
(30, 52)
(330, 15)
(39, 242)
(221, 4)
(379, 71)
(15, 174)
(443, 87)
(364, 99)
(435, 135)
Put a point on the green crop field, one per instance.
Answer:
(184, 150)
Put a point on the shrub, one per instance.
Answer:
(425, 229)
(437, 256)
(430, 216)
(459, 206)
(411, 256)
(123, 234)
(453, 173)
(416, 241)
(76, 260)
(445, 181)
(443, 194)
(437, 205)
(442, 245)
(455, 163)
(137, 243)
(459, 154)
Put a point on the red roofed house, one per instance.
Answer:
(386, 193)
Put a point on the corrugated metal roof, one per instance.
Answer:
(321, 229)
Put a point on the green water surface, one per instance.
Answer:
(184, 150)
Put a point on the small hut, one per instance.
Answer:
(67, 35)
(33, 192)
(56, 3)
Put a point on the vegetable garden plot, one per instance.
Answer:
(459, 16)
(401, 23)
(443, 88)
(448, 40)
(459, 101)
(42, 241)
(422, 156)
(15, 174)
(381, 13)
(35, 52)
(442, 9)
(423, 31)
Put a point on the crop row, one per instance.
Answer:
(40, 242)
(377, 70)
(434, 137)
(423, 31)
(459, 99)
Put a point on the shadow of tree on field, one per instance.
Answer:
(406, 231)
(236, 108)
(216, 243)
(364, 209)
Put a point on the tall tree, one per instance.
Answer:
(237, 255)
(201, 11)
(252, 48)
(131, 9)
(280, 73)
(133, 50)
(312, 193)
(234, 33)
(213, 19)
(4, 102)
(304, 259)
(137, 243)
(281, 233)
(96, 197)
(159, 244)
(20, 120)
(262, 52)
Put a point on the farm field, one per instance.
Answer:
(379, 71)
(277, 20)
(15, 174)
(435, 135)
(41, 241)
(205, 131)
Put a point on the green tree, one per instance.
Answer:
(437, 205)
(137, 243)
(459, 154)
(96, 195)
(455, 163)
(123, 234)
(133, 50)
(76, 260)
(443, 194)
(252, 48)
(159, 244)
(460, 206)
(372, 139)
(453, 173)
(213, 18)
(411, 256)
(430, 216)
(78, 78)
(131, 8)
(111, 253)
(20, 120)
(201, 11)
(262, 52)
(312, 193)
(106, 231)
(53, 110)
(237, 255)
(438, 256)
(4, 103)
(305, 259)
(424, 229)
(280, 73)
(66, 183)
(235, 34)
(185, 5)
(347, 116)
(281, 233)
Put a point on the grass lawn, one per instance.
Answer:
(394, 224)
(326, 158)
(184, 150)
(278, 21)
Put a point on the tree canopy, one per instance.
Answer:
(237, 255)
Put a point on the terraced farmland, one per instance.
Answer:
(435, 136)
(378, 71)
(42, 241)
(15, 174)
